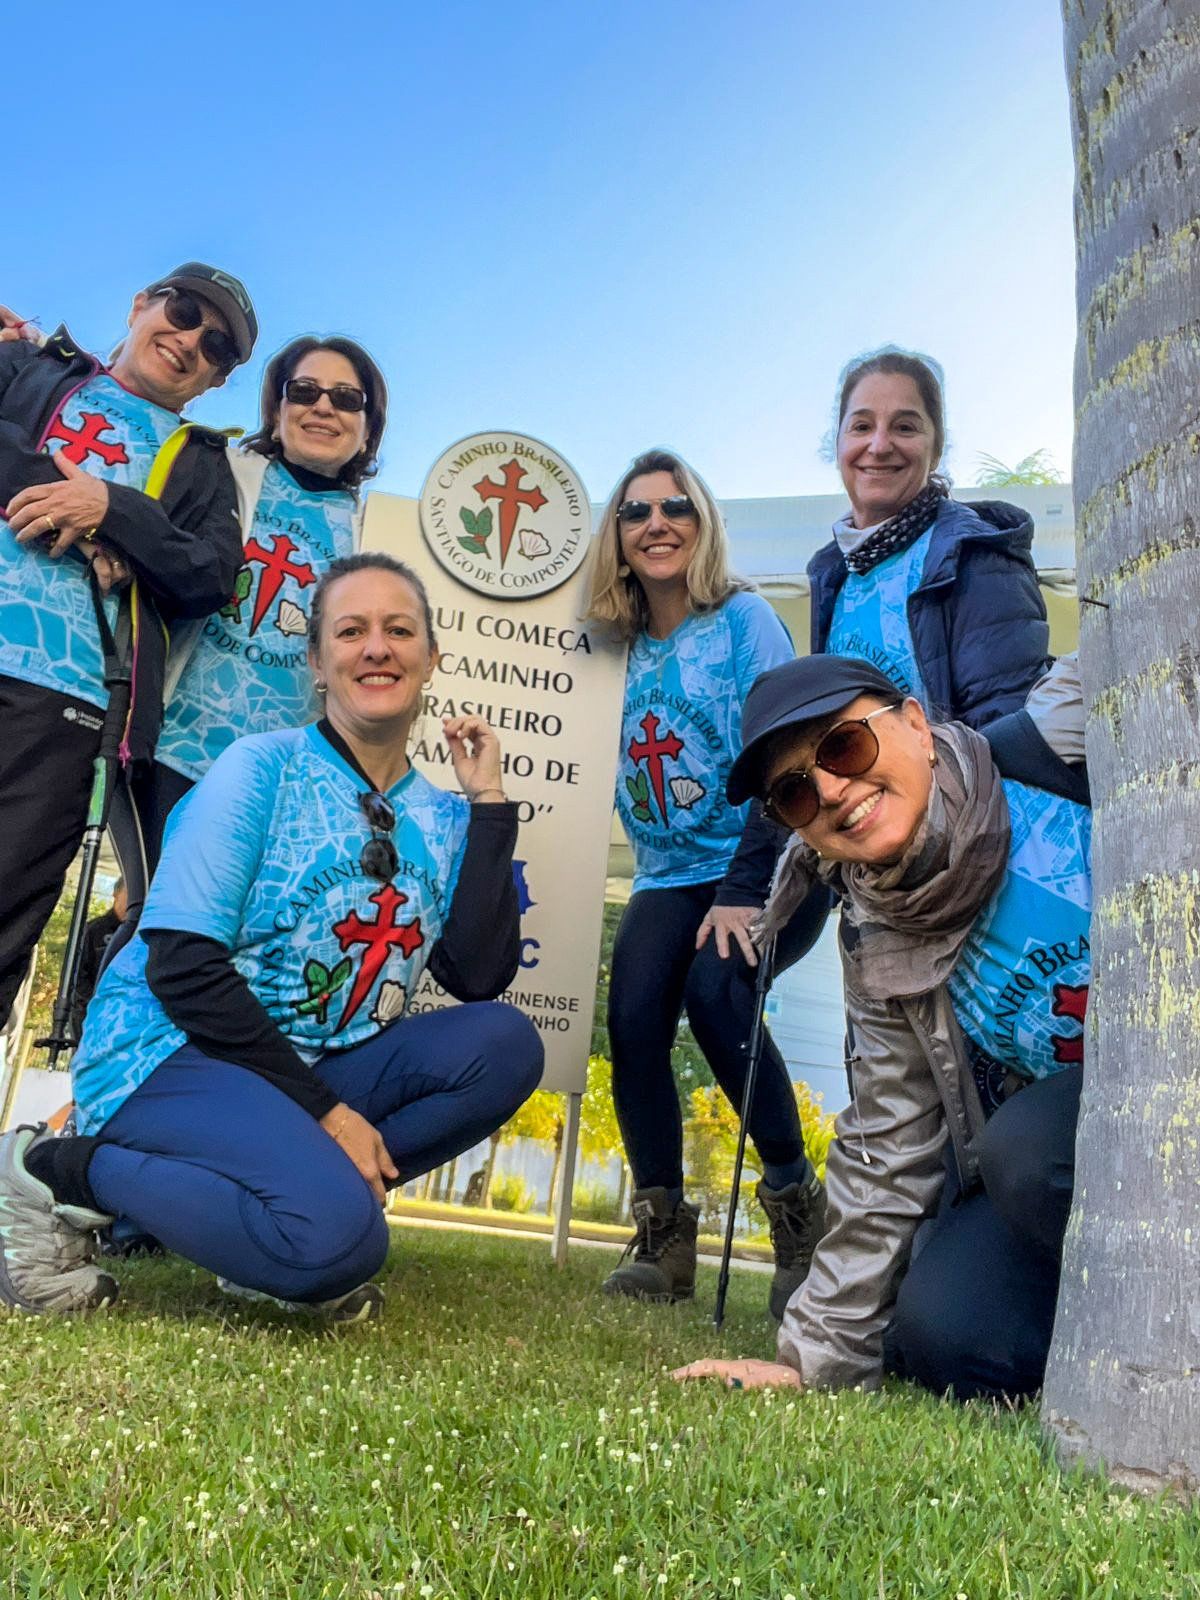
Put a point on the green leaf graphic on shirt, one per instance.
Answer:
(232, 609)
(639, 793)
(479, 526)
(322, 984)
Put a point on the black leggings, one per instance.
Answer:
(656, 972)
(976, 1309)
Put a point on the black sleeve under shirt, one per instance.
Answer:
(204, 994)
(480, 946)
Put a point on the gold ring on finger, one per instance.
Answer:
(49, 520)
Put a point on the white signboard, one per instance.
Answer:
(552, 688)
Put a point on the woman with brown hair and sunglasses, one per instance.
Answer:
(698, 638)
(250, 1081)
(966, 909)
(323, 414)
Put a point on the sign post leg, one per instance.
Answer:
(566, 1180)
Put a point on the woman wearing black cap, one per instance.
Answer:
(102, 485)
(965, 918)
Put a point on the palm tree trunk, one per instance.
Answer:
(1123, 1384)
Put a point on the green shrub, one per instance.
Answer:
(510, 1192)
(592, 1202)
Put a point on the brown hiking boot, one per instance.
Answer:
(663, 1250)
(797, 1218)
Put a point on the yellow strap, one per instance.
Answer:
(160, 471)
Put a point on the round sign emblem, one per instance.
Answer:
(506, 515)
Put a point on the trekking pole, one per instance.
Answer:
(753, 1048)
(118, 679)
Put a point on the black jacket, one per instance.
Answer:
(185, 549)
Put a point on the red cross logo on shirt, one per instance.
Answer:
(651, 750)
(511, 500)
(275, 568)
(1070, 1000)
(380, 937)
(85, 441)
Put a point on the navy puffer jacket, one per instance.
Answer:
(977, 617)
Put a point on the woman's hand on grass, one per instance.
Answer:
(362, 1143)
(744, 1374)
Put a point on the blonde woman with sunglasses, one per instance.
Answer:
(966, 913)
(698, 638)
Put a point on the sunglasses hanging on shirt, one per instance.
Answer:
(378, 857)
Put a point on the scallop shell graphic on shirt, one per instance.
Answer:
(290, 620)
(389, 1003)
(686, 792)
(532, 544)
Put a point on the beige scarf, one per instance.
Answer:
(904, 925)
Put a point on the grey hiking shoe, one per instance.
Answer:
(364, 1304)
(46, 1249)
(663, 1250)
(797, 1218)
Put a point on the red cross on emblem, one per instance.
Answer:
(651, 750)
(511, 500)
(1070, 1000)
(275, 568)
(85, 441)
(379, 937)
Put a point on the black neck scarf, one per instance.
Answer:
(898, 532)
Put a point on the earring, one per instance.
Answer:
(321, 688)
(933, 758)
(622, 570)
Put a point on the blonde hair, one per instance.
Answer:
(616, 596)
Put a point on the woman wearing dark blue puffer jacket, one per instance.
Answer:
(942, 597)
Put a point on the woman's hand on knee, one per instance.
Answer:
(730, 922)
(361, 1141)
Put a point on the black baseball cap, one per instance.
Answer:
(798, 691)
(222, 290)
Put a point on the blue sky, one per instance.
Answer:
(609, 226)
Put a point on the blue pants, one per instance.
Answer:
(976, 1308)
(226, 1170)
(656, 972)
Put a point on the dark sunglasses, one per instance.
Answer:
(378, 858)
(184, 311)
(307, 391)
(673, 507)
(847, 751)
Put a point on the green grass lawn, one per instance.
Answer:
(505, 1431)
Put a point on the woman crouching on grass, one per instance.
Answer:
(248, 1085)
(965, 917)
